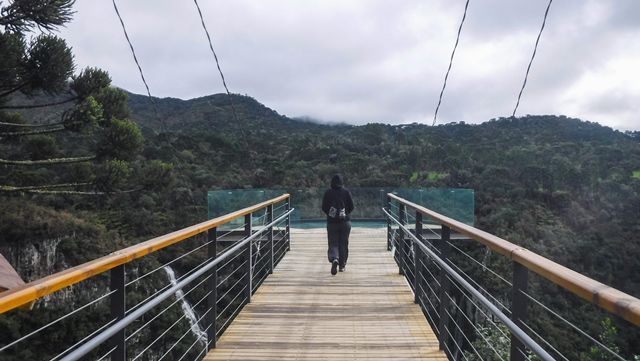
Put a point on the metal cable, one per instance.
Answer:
(167, 308)
(485, 268)
(453, 53)
(221, 298)
(55, 321)
(84, 339)
(543, 340)
(167, 264)
(481, 288)
(431, 303)
(170, 327)
(431, 289)
(572, 325)
(473, 323)
(107, 354)
(169, 285)
(188, 331)
(477, 307)
(232, 317)
(231, 302)
(453, 319)
(431, 274)
(453, 338)
(535, 48)
(135, 58)
(224, 82)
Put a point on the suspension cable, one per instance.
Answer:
(453, 53)
(224, 82)
(135, 58)
(533, 55)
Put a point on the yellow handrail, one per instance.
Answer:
(605, 297)
(29, 292)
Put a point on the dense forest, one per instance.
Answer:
(87, 168)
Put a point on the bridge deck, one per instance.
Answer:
(301, 312)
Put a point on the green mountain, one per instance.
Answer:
(562, 187)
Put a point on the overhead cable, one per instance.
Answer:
(215, 56)
(535, 48)
(135, 58)
(453, 53)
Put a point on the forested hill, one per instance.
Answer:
(567, 188)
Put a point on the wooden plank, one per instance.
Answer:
(302, 312)
(601, 295)
(21, 295)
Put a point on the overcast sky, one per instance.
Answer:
(361, 61)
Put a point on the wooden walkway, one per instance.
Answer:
(301, 312)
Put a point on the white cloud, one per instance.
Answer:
(378, 60)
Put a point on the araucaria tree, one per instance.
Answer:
(60, 131)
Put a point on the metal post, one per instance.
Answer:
(270, 237)
(401, 243)
(249, 258)
(519, 304)
(118, 310)
(287, 208)
(212, 288)
(443, 294)
(388, 206)
(417, 256)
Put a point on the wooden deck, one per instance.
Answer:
(301, 312)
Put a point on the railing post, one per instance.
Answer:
(388, 206)
(270, 236)
(212, 288)
(287, 208)
(401, 243)
(249, 258)
(443, 293)
(417, 256)
(118, 310)
(519, 304)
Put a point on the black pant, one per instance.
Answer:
(338, 234)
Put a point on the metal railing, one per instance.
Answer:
(138, 316)
(483, 307)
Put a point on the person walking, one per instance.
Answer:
(337, 204)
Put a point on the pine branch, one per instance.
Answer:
(32, 132)
(40, 191)
(34, 106)
(5, 188)
(13, 90)
(18, 125)
(47, 161)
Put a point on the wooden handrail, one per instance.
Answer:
(29, 292)
(605, 297)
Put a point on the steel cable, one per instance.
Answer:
(535, 48)
(135, 58)
(453, 53)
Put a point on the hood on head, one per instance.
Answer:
(336, 181)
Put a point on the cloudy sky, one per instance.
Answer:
(360, 61)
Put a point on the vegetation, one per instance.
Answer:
(74, 165)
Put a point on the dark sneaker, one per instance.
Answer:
(334, 267)
(341, 269)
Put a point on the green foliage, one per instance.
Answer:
(112, 174)
(24, 15)
(86, 114)
(608, 338)
(123, 140)
(635, 174)
(41, 147)
(90, 81)
(48, 66)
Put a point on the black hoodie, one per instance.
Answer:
(337, 196)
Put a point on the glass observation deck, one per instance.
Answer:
(457, 203)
